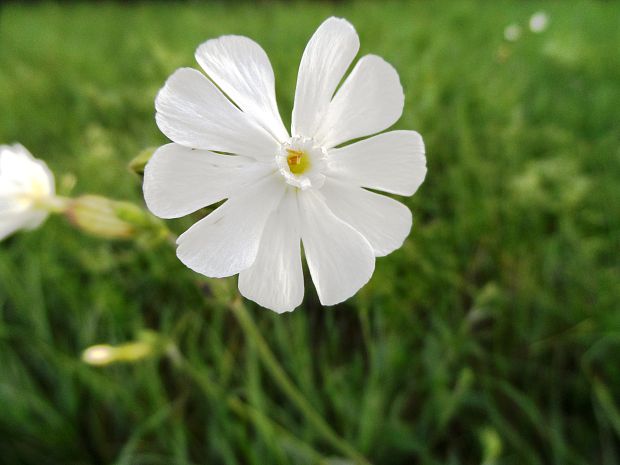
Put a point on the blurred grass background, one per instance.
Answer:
(491, 337)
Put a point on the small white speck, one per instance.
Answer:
(539, 22)
(512, 32)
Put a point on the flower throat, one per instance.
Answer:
(298, 161)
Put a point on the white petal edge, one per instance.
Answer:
(370, 100)
(11, 224)
(193, 112)
(393, 162)
(179, 180)
(27, 220)
(275, 280)
(326, 58)
(226, 242)
(384, 222)
(339, 258)
(21, 172)
(22, 177)
(241, 68)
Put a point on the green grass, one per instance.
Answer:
(491, 337)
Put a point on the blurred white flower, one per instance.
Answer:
(26, 190)
(284, 190)
(539, 22)
(512, 32)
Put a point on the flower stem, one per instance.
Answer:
(288, 387)
(53, 204)
(243, 409)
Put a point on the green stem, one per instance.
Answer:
(211, 389)
(241, 408)
(288, 387)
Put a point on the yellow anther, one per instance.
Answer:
(298, 161)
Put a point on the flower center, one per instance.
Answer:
(298, 161)
(302, 163)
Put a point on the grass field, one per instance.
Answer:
(491, 337)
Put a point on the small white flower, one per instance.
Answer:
(539, 22)
(26, 186)
(285, 190)
(512, 32)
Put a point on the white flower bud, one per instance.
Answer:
(148, 344)
(100, 217)
(114, 219)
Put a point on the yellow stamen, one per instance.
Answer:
(298, 161)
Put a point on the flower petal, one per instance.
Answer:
(339, 258)
(14, 221)
(22, 173)
(384, 222)
(179, 180)
(191, 111)
(370, 100)
(276, 280)
(327, 56)
(241, 68)
(226, 242)
(10, 224)
(392, 162)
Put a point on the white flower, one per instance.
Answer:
(512, 32)
(26, 186)
(285, 190)
(539, 22)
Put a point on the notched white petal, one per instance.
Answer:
(392, 162)
(226, 242)
(193, 112)
(370, 100)
(326, 58)
(339, 258)
(257, 232)
(179, 180)
(241, 68)
(383, 221)
(275, 280)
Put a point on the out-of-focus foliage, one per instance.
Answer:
(492, 336)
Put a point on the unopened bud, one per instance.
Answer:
(66, 183)
(139, 162)
(148, 344)
(98, 216)
(113, 219)
(101, 354)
